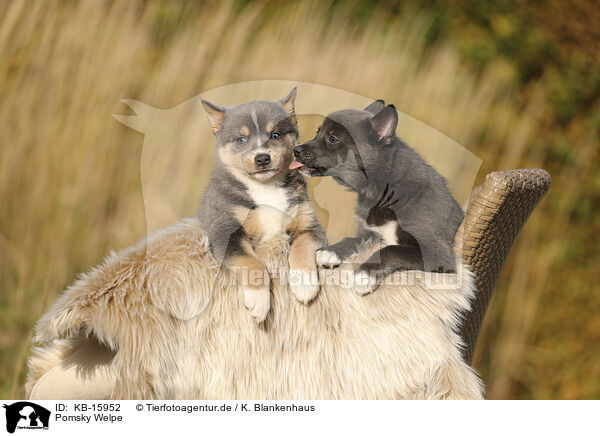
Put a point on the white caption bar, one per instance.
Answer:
(299, 417)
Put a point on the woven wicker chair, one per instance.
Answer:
(497, 211)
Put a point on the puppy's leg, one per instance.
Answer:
(253, 278)
(382, 263)
(333, 255)
(251, 275)
(231, 248)
(438, 256)
(303, 275)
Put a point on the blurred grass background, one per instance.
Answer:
(516, 82)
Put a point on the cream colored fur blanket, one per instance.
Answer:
(152, 307)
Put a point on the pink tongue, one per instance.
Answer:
(295, 165)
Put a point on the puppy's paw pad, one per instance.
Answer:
(258, 302)
(364, 283)
(327, 259)
(304, 284)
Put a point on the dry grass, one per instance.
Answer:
(70, 175)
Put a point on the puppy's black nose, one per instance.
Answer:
(262, 159)
(298, 150)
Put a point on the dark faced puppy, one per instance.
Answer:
(402, 201)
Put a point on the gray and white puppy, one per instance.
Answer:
(253, 197)
(402, 201)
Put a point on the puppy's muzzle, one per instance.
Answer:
(302, 153)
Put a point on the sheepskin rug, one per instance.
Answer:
(161, 320)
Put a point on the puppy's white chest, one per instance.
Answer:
(387, 232)
(273, 210)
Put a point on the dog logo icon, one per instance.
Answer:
(26, 415)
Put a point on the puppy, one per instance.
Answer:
(402, 201)
(254, 197)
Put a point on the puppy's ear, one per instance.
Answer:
(384, 124)
(289, 103)
(215, 115)
(375, 107)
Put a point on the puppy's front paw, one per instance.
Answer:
(258, 301)
(364, 282)
(304, 284)
(327, 258)
(360, 282)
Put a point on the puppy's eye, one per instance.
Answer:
(242, 140)
(275, 135)
(333, 139)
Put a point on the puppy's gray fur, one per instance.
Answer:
(402, 201)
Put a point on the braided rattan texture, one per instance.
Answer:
(496, 214)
